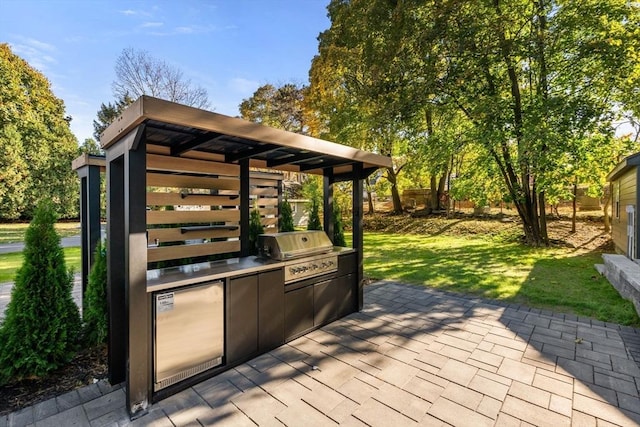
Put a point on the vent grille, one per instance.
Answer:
(187, 373)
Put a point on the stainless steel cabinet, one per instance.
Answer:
(188, 332)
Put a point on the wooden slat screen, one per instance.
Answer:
(264, 194)
(193, 204)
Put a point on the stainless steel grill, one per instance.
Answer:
(294, 244)
(310, 253)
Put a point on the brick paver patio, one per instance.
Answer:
(414, 356)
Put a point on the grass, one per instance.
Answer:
(9, 263)
(14, 232)
(558, 279)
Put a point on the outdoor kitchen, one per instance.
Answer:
(187, 297)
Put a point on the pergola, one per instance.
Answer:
(156, 135)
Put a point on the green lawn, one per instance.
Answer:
(11, 233)
(9, 263)
(558, 279)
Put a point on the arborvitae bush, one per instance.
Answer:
(42, 325)
(314, 216)
(286, 216)
(338, 228)
(255, 228)
(95, 316)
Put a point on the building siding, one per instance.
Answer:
(628, 196)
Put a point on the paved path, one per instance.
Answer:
(65, 242)
(413, 356)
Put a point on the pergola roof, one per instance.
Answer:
(183, 129)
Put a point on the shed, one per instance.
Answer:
(161, 154)
(624, 201)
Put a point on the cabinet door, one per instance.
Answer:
(346, 295)
(324, 302)
(270, 310)
(242, 318)
(298, 311)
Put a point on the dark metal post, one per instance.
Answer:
(137, 300)
(328, 202)
(357, 229)
(89, 219)
(245, 207)
(117, 354)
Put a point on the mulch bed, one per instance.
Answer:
(86, 367)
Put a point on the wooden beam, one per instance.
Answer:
(186, 181)
(164, 253)
(181, 217)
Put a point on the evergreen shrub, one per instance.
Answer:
(255, 228)
(95, 316)
(286, 216)
(338, 228)
(42, 325)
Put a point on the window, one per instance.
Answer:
(616, 199)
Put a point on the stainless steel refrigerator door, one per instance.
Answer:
(189, 332)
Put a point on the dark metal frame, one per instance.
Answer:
(130, 306)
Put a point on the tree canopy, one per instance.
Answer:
(36, 142)
(535, 80)
(138, 73)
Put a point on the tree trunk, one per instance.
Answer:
(433, 195)
(392, 176)
(605, 211)
(543, 217)
(369, 196)
(441, 184)
(574, 206)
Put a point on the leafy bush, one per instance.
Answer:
(286, 216)
(42, 325)
(96, 317)
(338, 229)
(255, 228)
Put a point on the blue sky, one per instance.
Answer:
(229, 47)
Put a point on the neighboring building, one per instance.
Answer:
(624, 203)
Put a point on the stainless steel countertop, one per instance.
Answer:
(174, 277)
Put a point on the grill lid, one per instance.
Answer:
(294, 244)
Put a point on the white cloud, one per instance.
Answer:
(243, 86)
(152, 24)
(128, 12)
(37, 53)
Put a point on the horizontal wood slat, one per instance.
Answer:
(268, 211)
(269, 221)
(263, 191)
(264, 201)
(160, 149)
(190, 251)
(184, 181)
(181, 217)
(175, 235)
(173, 199)
(263, 182)
(179, 164)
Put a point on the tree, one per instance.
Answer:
(108, 113)
(42, 323)
(138, 73)
(36, 142)
(338, 228)
(90, 146)
(96, 315)
(286, 216)
(532, 77)
(312, 191)
(280, 107)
